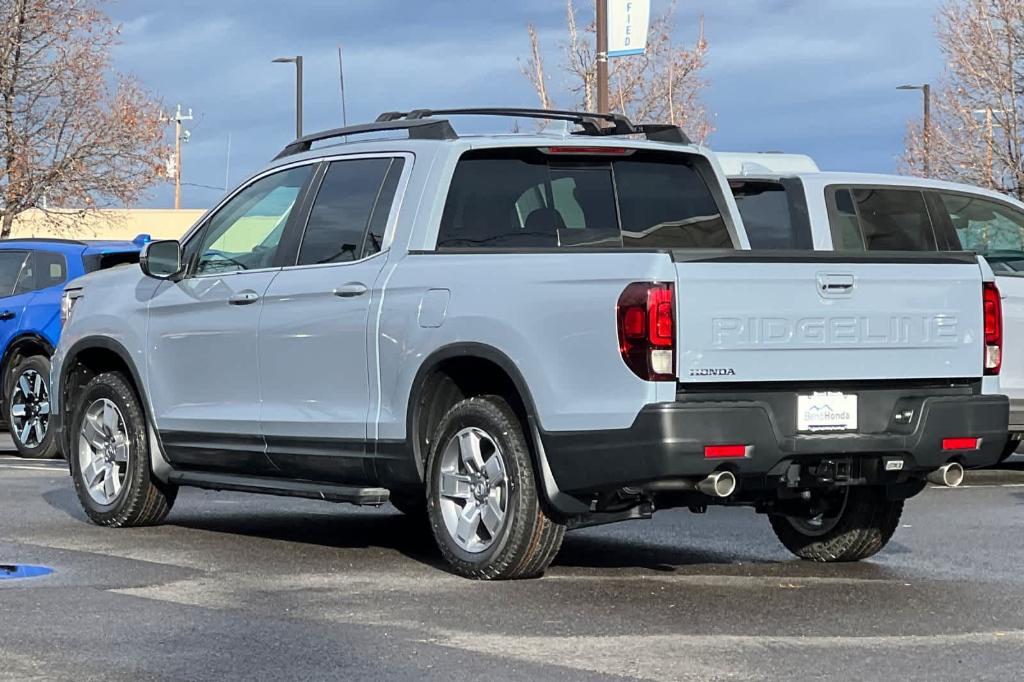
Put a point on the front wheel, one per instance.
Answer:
(482, 497)
(856, 523)
(109, 457)
(28, 409)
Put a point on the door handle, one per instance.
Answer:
(835, 286)
(7, 315)
(350, 290)
(244, 298)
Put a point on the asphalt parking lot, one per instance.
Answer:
(249, 587)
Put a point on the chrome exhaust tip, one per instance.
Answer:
(718, 484)
(950, 475)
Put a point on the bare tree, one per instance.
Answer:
(976, 135)
(663, 85)
(72, 133)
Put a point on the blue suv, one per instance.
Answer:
(32, 276)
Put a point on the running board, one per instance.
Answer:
(285, 487)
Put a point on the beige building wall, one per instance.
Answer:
(106, 224)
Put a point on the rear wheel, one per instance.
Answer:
(855, 523)
(28, 408)
(1010, 448)
(109, 457)
(482, 497)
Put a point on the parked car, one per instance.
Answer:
(33, 273)
(518, 335)
(858, 213)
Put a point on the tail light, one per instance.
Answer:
(647, 339)
(993, 328)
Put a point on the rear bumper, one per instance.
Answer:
(667, 440)
(1017, 415)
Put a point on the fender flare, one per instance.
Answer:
(560, 501)
(158, 461)
(12, 347)
(21, 339)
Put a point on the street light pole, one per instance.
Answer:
(602, 57)
(926, 131)
(297, 60)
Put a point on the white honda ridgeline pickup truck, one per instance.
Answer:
(786, 202)
(518, 335)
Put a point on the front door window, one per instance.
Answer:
(245, 233)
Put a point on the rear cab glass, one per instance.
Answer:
(530, 198)
(774, 217)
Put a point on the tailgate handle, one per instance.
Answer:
(835, 286)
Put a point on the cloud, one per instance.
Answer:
(790, 74)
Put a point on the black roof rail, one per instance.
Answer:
(430, 129)
(613, 124)
(591, 122)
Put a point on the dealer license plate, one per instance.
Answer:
(826, 412)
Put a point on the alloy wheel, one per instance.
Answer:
(473, 490)
(103, 450)
(30, 408)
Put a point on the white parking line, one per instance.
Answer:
(979, 485)
(28, 468)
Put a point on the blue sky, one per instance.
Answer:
(812, 76)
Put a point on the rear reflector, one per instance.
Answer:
(961, 443)
(725, 451)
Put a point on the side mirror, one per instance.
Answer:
(161, 259)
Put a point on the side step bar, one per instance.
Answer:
(285, 488)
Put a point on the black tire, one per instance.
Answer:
(142, 500)
(1012, 443)
(861, 529)
(528, 539)
(33, 447)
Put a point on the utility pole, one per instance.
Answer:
(926, 131)
(180, 135)
(602, 57)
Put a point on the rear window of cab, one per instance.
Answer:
(530, 198)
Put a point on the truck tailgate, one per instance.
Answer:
(759, 317)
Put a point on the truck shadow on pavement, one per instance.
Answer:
(411, 537)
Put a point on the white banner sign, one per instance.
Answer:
(627, 26)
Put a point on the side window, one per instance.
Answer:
(50, 269)
(11, 263)
(991, 228)
(846, 234)
(350, 210)
(382, 210)
(26, 280)
(244, 234)
(894, 220)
